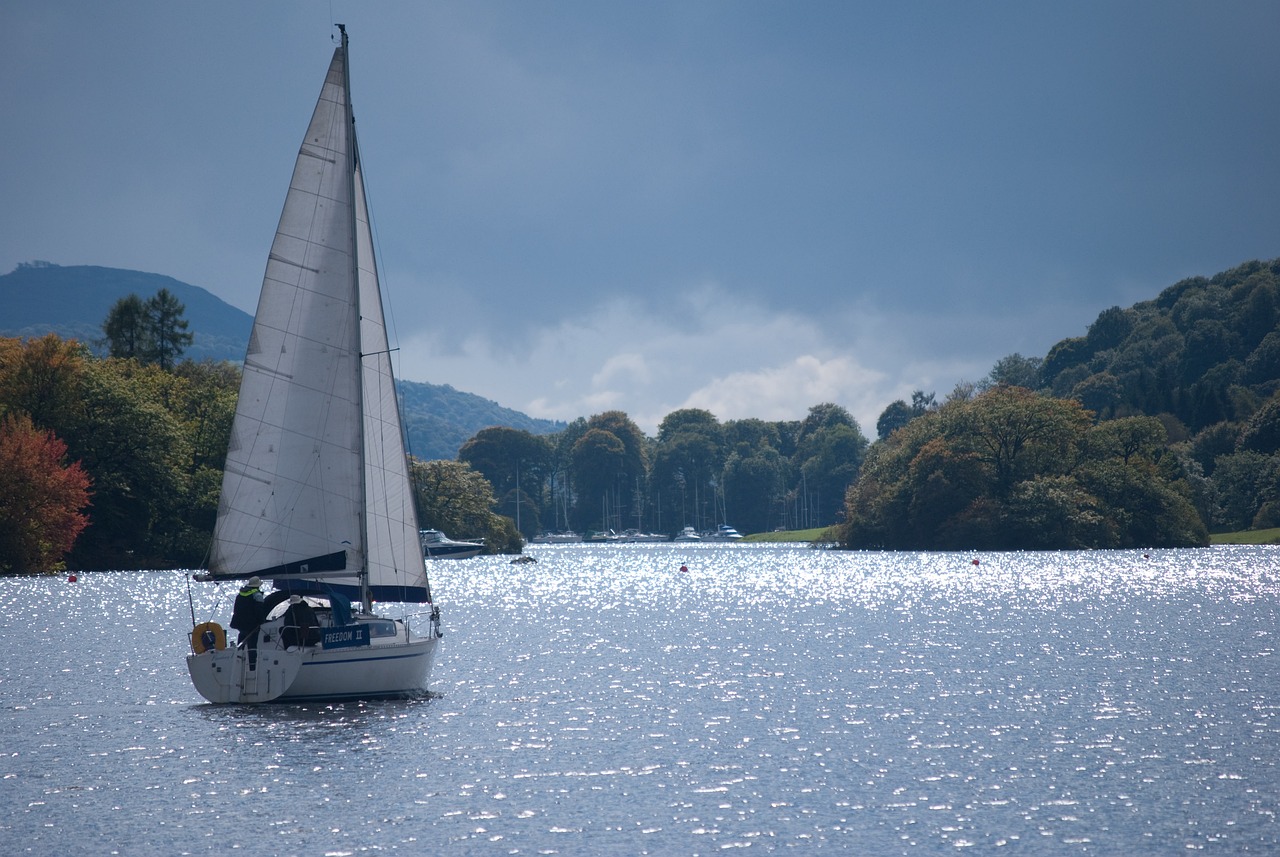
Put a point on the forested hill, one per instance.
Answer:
(440, 419)
(72, 301)
(1206, 351)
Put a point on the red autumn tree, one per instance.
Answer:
(41, 497)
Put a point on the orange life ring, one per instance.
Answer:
(198, 644)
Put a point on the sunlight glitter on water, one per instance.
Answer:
(603, 700)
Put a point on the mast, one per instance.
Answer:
(363, 511)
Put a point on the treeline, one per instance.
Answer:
(1159, 425)
(147, 445)
(603, 473)
(1009, 469)
(1162, 422)
(116, 462)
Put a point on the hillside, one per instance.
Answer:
(440, 419)
(1205, 351)
(1157, 427)
(72, 301)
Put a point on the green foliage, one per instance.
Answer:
(1206, 350)
(167, 328)
(1184, 390)
(516, 463)
(152, 332)
(899, 413)
(829, 459)
(1014, 371)
(1011, 469)
(126, 329)
(756, 480)
(454, 498)
(151, 441)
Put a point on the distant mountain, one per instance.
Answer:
(440, 419)
(72, 301)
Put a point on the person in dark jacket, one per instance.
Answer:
(247, 614)
(300, 625)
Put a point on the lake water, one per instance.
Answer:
(769, 699)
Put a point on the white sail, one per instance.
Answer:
(316, 480)
(395, 561)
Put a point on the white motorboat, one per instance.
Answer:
(565, 538)
(688, 534)
(723, 533)
(316, 494)
(436, 545)
(635, 536)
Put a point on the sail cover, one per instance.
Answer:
(316, 464)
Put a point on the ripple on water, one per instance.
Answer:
(605, 700)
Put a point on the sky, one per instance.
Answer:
(749, 207)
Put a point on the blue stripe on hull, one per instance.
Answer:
(345, 661)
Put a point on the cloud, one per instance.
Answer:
(788, 390)
(710, 350)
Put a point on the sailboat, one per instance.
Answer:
(316, 494)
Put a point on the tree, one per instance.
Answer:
(153, 331)
(1013, 469)
(42, 497)
(167, 329)
(828, 463)
(1109, 329)
(41, 377)
(1055, 512)
(454, 498)
(684, 467)
(688, 465)
(1261, 433)
(1019, 433)
(895, 415)
(1101, 393)
(137, 453)
(756, 482)
(127, 329)
(516, 463)
(1014, 370)
(1244, 481)
(598, 458)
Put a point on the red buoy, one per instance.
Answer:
(71, 579)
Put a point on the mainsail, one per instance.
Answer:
(316, 485)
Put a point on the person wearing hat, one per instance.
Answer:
(247, 614)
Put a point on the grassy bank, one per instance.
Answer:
(814, 535)
(1247, 537)
(822, 534)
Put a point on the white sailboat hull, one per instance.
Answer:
(386, 670)
(223, 675)
(398, 670)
